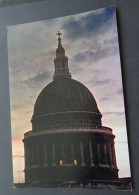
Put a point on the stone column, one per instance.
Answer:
(105, 154)
(63, 154)
(31, 150)
(98, 153)
(38, 154)
(29, 156)
(53, 155)
(72, 153)
(82, 154)
(45, 154)
(91, 153)
(110, 154)
(114, 156)
(26, 156)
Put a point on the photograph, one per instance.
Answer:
(68, 121)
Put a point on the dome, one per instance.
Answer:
(64, 94)
(67, 135)
(60, 50)
(65, 103)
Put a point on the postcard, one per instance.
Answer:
(67, 107)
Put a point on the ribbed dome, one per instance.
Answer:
(64, 94)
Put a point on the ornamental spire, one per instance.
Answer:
(61, 60)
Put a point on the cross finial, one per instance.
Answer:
(58, 34)
(59, 39)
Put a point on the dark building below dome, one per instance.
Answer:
(67, 142)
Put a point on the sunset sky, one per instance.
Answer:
(91, 43)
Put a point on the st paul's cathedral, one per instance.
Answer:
(68, 146)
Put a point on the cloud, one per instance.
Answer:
(18, 156)
(75, 28)
(101, 82)
(15, 156)
(97, 71)
(104, 98)
(112, 41)
(122, 142)
(22, 156)
(93, 56)
(119, 91)
(114, 113)
(16, 106)
(38, 78)
(75, 69)
(19, 171)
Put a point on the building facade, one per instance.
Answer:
(67, 143)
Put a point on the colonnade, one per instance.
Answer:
(70, 154)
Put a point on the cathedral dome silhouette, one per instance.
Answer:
(68, 96)
(67, 144)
